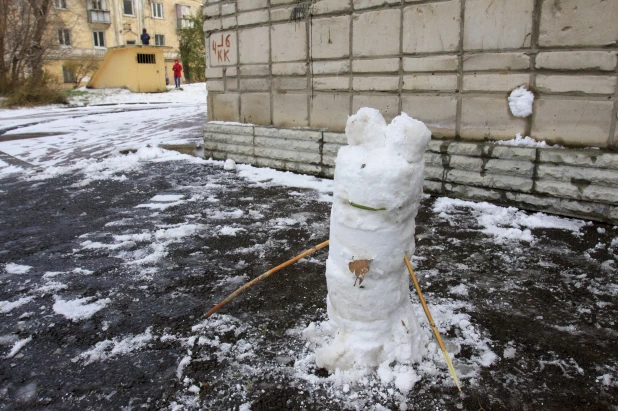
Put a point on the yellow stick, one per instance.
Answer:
(431, 323)
(263, 276)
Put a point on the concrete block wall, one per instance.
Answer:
(577, 183)
(296, 69)
(450, 63)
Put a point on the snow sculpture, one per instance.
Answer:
(378, 188)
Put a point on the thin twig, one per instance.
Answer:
(263, 276)
(431, 322)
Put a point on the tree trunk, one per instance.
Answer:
(41, 10)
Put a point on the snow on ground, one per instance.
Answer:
(80, 308)
(89, 147)
(126, 121)
(12, 268)
(505, 224)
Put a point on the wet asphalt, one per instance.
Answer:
(552, 303)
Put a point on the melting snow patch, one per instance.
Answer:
(5, 168)
(18, 346)
(79, 309)
(607, 380)
(159, 205)
(509, 351)
(460, 289)
(231, 231)
(178, 232)
(285, 178)
(12, 268)
(50, 287)
(7, 306)
(104, 350)
(164, 198)
(504, 223)
(82, 271)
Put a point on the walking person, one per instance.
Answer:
(177, 69)
(145, 37)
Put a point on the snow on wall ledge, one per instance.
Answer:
(576, 183)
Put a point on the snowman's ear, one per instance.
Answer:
(365, 126)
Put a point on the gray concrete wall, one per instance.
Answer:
(298, 69)
(578, 183)
(449, 63)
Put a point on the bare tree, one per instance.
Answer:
(82, 67)
(26, 36)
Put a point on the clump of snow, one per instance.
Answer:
(378, 188)
(230, 165)
(520, 102)
(80, 308)
(12, 268)
(504, 223)
(104, 350)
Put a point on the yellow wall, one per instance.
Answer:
(121, 29)
(121, 69)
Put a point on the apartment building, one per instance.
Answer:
(86, 28)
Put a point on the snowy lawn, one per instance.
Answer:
(108, 262)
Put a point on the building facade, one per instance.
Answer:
(86, 28)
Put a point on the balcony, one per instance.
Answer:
(99, 17)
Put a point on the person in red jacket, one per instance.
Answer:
(177, 69)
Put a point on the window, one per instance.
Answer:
(159, 40)
(60, 4)
(68, 75)
(127, 7)
(157, 10)
(183, 15)
(131, 42)
(64, 37)
(97, 5)
(99, 38)
(182, 11)
(146, 58)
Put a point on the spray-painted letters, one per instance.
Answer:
(223, 49)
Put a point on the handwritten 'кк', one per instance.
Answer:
(222, 55)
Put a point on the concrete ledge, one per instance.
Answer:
(575, 183)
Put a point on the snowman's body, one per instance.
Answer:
(378, 188)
